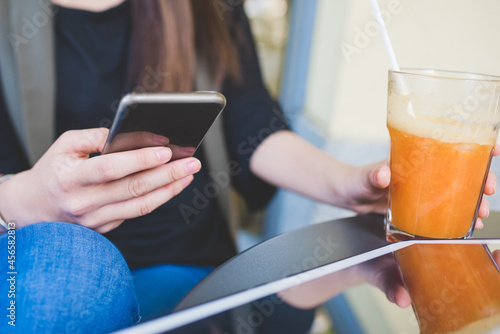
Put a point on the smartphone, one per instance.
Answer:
(179, 121)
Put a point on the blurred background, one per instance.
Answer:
(325, 62)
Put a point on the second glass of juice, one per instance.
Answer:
(443, 127)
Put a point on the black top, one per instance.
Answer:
(92, 52)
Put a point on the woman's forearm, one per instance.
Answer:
(286, 160)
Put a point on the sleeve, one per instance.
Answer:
(250, 117)
(12, 158)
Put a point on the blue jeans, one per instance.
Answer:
(171, 283)
(70, 279)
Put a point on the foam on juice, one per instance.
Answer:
(457, 124)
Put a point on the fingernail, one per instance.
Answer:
(193, 166)
(163, 154)
(160, 140)
(187, 180)
(391, 297)
(376, 176)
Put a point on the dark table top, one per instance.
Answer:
(294, 259)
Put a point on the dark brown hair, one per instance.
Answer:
(172, 39)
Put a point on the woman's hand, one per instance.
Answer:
(100, 192)
(489, 189)
(367, 189)
(381, 272)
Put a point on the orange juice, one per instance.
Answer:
(454, 288)
(435, 185)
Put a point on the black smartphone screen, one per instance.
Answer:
(176, 120)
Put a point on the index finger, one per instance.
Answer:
(134, 140)
(496, 150)
(114, 166)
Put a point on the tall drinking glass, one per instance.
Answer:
(443, 127)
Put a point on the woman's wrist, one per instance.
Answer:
(9, 201)
(341, 183)
(4, 225)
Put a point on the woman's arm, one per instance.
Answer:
(286, 160)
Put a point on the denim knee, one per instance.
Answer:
(69, 279)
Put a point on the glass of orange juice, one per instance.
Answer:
(443, 127)
(454, 288)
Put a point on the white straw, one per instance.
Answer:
(390, 53)
(385, 35)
